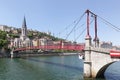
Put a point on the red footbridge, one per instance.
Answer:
(96, 58)
(53, 47)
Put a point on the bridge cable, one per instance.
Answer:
(108, 23)
(75, 26)
(68, 26)
(77, 29)
(83, 30)
(80, 34)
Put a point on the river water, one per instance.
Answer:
(48, 68)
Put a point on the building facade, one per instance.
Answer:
(5, 28)
(23, 41)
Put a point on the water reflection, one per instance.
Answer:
(50, 68)
(57, 64)
(42, 68)
(93, 79)
(113, 71)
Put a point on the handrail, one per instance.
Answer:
(54, 47)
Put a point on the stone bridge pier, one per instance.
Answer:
(96, 60)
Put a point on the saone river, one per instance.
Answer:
(49, 68)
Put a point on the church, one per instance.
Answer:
(23, 41)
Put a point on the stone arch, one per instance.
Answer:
(101, 72)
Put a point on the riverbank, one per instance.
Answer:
(37, 54)
(4, 55)
(46, 54)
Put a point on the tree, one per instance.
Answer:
(3, 39)
(14, 35)
(30, 35)
(3, 34)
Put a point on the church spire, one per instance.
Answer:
(24, 29)
(24, 23)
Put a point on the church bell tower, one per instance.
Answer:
(24, 30)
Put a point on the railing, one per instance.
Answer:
(53, 47)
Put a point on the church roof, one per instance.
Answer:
(24, 22)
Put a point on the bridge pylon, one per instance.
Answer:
(96, 58)
(87, 55)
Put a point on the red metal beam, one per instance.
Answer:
(88, 34)
(95, 39)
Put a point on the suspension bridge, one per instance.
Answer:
(97, 59)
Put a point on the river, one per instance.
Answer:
(47, 68)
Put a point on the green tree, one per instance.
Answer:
(30, 35)
(3, 34)
(3, 39)
(14, 35)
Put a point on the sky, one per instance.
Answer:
(57, 15)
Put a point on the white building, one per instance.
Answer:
(106, 45)
(23, 41)
(5, 28)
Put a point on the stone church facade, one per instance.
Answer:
(23, 41)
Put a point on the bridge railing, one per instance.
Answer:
(53, 47)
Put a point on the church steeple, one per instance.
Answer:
(24, 22)
(24, 29)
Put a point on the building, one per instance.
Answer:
(23, 41)
(36, 42)
(5, 28)
(106, 45)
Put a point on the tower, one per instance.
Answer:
(24, 30)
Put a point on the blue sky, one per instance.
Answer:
(56, 15)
